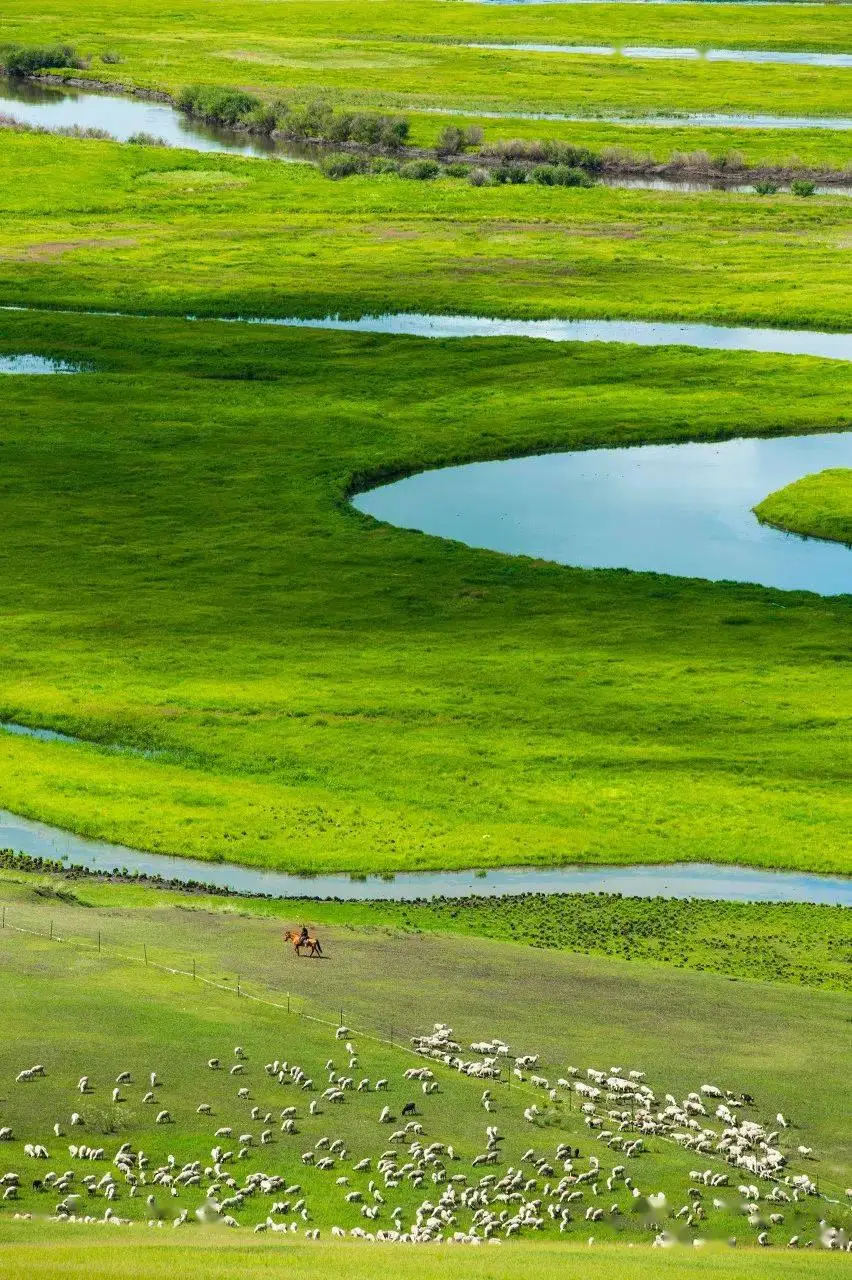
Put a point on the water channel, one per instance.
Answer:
(790, 57)
(123, 116)
(686, 880)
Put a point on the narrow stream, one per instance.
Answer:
(686, 880)
(123, 116)
(762, 56)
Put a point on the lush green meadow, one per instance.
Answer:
(332, 693)
(92, 224)
(380, 55)
(817, 506)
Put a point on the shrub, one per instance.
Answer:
(384, 164)
(339, 128)
(18, 61)
(472, 136)
(342, 166)
(479, 178)
(766, 188)
(218, 106)
(262, 119)
(515, 174)
(146, 140)
(111, 58)
(457, 170)
(395, 133)
(420, 169)
(544, 175)
(451, 140)
(802, 187)
(313, 120)
(567, 175)
(366, 130)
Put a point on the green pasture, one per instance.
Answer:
(79, 1010)
(818, 506)
(182, 572)
(798, 943)
(380, 54)
(93, 224)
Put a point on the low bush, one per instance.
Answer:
(560, 175)
(514, 174)
(146, 140)
(216, 105)
(342, 166)
(17, 60)
(479, 178)
(457, 170)
(384, 164)
(802, 187)
(766, 188)
(420, 170)
(111, 58)
(454, 139)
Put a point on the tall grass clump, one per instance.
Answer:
(318, 120)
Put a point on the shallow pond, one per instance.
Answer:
(689, 880)
(700, 119)
(769, 56)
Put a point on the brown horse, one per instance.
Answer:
(298, 941)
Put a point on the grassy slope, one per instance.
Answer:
(373, 53)
(785, 1047)
(36, 1252)
(140, 229)
(818, 506)
(217, 565)
(797, 943)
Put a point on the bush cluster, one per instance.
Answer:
(454, 139)
(18, 60)
(549, 150)
(367, 129)
(220, 106)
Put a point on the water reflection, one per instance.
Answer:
(35, 364)
(761, 56)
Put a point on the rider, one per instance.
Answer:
(303, 937)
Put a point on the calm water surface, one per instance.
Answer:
(123, 116)
(691, 880)
(677, 509)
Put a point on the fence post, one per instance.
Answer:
(99, 941)
(4, 917)
(288, 1001)
(193, 968)
(340, 1023)
(145, 949)
(238, 984)
(51, 929)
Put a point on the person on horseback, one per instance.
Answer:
(303, 937)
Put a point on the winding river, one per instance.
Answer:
(686, 880)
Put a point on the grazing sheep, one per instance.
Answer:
(163, 1117)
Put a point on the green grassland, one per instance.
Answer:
(798, 943)
(92, 224)
(35, 1251)
(81, 1011)
(374, 54)
(818, 506)
(332, 693)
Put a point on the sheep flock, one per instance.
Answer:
(332, 1148)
